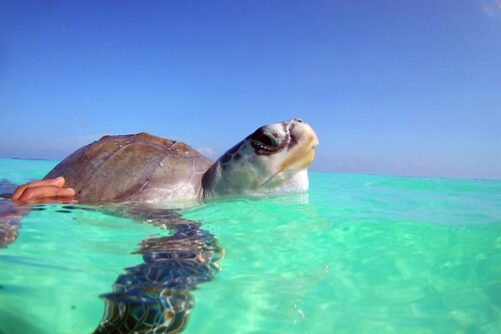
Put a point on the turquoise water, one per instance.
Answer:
(358, 254)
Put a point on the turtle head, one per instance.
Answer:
(273, 159)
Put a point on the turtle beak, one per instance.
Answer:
(302, 153)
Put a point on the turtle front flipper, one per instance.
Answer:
(155, 296)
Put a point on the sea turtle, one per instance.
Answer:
(154, 297)
(143, 167)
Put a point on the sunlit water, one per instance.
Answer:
(359, 254)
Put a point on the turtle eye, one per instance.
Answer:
(265, 141)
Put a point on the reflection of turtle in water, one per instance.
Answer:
(154, 297)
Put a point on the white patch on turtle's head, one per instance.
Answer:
(274, 159)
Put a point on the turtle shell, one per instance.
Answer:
(139, 167)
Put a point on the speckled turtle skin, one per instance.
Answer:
(137, 167)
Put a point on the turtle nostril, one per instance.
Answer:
(299, 120)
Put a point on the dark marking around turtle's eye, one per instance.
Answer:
(265, 142)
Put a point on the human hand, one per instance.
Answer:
(42, 191)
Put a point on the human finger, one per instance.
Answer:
(32, 194)
(58, 182)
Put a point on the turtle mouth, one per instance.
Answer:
(303, 156)
(300, 161)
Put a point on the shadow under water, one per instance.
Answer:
(154, 296)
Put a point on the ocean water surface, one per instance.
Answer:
(357, 254)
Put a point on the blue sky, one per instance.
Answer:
(393, 87)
